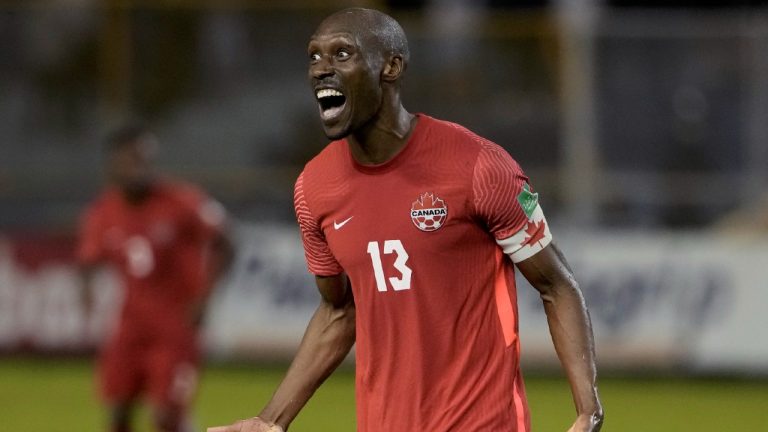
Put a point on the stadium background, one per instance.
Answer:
(643, 124)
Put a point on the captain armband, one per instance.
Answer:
(529, 240)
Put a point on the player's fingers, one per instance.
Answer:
(220, 429)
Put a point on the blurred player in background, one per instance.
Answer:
(406, 221)
(166, 239)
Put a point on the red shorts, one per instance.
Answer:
(164, 371)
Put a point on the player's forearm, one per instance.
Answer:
(86, 282)
(222, 254)
(327, 341)
(219, 259)
(571, 331)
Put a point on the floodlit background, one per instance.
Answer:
(642, 124)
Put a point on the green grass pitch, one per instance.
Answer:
(55, 395)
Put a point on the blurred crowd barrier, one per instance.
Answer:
(659, 301)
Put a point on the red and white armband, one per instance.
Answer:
(529, 240)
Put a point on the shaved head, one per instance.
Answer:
(378, 32)
(356, 59)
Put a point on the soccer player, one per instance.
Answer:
(167, 241)
(414, 228)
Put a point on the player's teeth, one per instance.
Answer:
(328, 93)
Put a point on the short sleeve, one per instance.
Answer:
(208, 216)
(90, 243)
(508, 205)
(211, 216)
(320, 260)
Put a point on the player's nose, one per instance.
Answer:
(321, 69)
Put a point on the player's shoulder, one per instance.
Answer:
(460, 138)
(327, 167)
(330, 157)
(185, 199)
(180, 193)
(107, 200)
(179, 189)
(485, 155)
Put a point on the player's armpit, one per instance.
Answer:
(334, 290)
(333, 325)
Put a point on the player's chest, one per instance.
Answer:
(390, 218)
(151, 231)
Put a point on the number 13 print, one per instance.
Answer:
(390, 246)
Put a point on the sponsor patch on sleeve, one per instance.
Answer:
(528, 200)
(532, 238)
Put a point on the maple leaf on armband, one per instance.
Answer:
(535, 232)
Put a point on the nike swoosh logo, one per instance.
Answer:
(342, 223)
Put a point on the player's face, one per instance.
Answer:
(345, 83)
(129, 166)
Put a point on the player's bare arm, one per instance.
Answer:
(86, 273)
(327, 341)
(571, 331)
(221, 253)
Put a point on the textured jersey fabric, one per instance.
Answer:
(437, 346)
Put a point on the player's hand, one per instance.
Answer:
(254, 424)
(587, 423)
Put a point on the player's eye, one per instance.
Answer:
(343, 54)
(314, 57)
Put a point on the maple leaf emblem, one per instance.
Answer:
(535, 232)
(427, 200)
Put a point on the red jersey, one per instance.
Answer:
(422, 238)
(158, 248)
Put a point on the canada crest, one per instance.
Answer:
(429, 212)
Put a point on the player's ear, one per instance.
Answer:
(393, 69)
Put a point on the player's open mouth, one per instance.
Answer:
(331, 102)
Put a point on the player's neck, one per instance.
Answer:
(135, 195)
(382, 138)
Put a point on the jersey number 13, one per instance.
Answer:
(390, 246)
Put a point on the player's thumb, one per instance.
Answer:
(219, 429)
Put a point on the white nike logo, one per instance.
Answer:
(342, 223)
